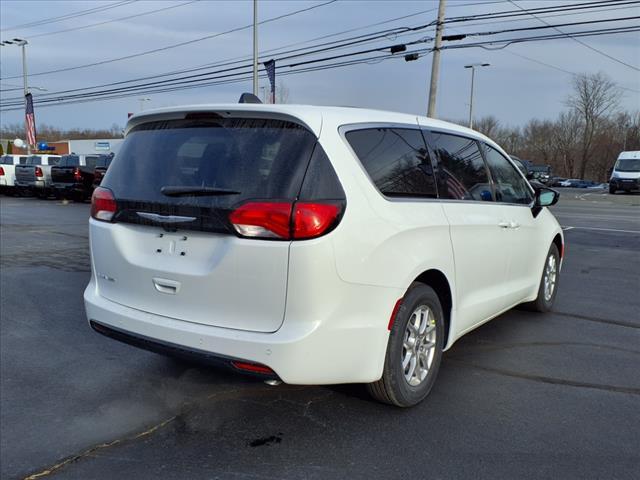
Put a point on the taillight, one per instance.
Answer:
(39, 172)
(285, 220)
(263, 220)
(1, 171)
(77, 176)
(103, 204)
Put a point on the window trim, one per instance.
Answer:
(351, 127)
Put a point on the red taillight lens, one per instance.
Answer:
(253, 367)
(103, 204)
(39, 172)
(285, 220)
(77, 176)
(1, 171)
(263, 220)
(313, 219)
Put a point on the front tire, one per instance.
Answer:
(548, 283)
(612, 189)
(414, 350)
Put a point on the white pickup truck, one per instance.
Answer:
(8, 171)
(35, 175)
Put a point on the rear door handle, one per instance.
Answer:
(163, 285)
(504, 225)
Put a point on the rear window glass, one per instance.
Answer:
(462, 174)
(396, 159)
(104, 161)
(257, 158)
(69, 161)
(34, 160)
(53, 160)
(6, 160)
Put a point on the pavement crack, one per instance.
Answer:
(619, 323)
(550, 380)
(74, 458)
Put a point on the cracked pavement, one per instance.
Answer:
(524, 396)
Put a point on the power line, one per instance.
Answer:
(129, 17)
(504, 14)
(579, 41)
(306, 52)
(176, 45)
(67, 16)
(232, 78)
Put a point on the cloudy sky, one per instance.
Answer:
(524, 80)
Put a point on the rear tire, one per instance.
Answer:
(414, 350)
(612, 190)
(548, 287)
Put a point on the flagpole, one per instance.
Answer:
(255, 47)
(23, 44)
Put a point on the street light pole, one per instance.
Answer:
(255, 47)
(435, 64)
(22, 43)
(473, 74)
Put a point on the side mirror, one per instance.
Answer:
(545, 197)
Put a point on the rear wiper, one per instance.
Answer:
(196, 191)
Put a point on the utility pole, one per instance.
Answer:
(473, 67)
(435, 64)
(255, 47)
(22, 43)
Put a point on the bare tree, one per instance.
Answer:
(594, 97)
(488, 126)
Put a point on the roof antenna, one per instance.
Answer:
(249, 98)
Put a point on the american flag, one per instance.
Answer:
(30, 120)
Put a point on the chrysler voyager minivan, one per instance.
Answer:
(314, 245)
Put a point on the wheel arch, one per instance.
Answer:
(438, 281)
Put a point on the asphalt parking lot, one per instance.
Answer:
(524, 396)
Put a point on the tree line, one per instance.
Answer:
(584, 140)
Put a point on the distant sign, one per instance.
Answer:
(102, 146)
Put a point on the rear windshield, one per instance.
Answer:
(252, 158)
(34, 160)
(6, 160)
(69, 161)
(628, 165)
(104, 161)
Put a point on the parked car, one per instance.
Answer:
(626, 173)
(73, 176)
(8, 172)
(314, 245)
(34, 176)
(101, 168)
(541, 173)
(556, 181)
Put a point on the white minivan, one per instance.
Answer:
(626, 173)
(314, 245)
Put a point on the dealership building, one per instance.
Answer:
(79, 147)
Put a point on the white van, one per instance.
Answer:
(626, 173)
(314, 245)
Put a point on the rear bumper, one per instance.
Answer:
(344, 344)
(37, 184)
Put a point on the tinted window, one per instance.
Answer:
(104, 161)
(396, 160)
(91, 161)
(260, 159)
(34, 160)
(6, 160)
(69, 161)
(23, 160)
(53, 160)
(321, 181)
(509, 184)
(462, 174)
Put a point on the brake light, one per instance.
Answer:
(103, 204)
(39, 172)
(263, 219)
(285, 220)
(253, 367)
(1, 171)
(77, 176)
